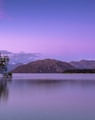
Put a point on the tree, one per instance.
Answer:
(4, 61)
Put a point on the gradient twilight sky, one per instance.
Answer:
(61, 29)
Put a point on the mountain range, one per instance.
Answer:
(56, 66)
(34, 62)
(84, 64)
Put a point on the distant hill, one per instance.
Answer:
(13, 66)
(17, 59)
(21, 57)
(44, 66)
(84, 64)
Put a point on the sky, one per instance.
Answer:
(60, 29)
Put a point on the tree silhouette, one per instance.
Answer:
(4, 61)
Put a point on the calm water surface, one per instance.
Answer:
(48, 100)
(54, 76)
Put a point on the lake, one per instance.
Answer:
(53, 76)
(48, 97)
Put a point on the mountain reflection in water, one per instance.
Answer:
(47, 100)
(46, 84)
(53, 83)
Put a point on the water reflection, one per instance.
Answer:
(24, 86)
(51, 84)
(4, 92)
(48, 100)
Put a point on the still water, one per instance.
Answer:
(48, 100)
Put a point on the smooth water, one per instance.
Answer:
(48, 100)
(53, 76)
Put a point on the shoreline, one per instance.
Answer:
(53, 76)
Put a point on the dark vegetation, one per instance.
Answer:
(80, 71)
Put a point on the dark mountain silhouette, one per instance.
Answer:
(44, 66)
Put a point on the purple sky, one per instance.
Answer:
(61, 29)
